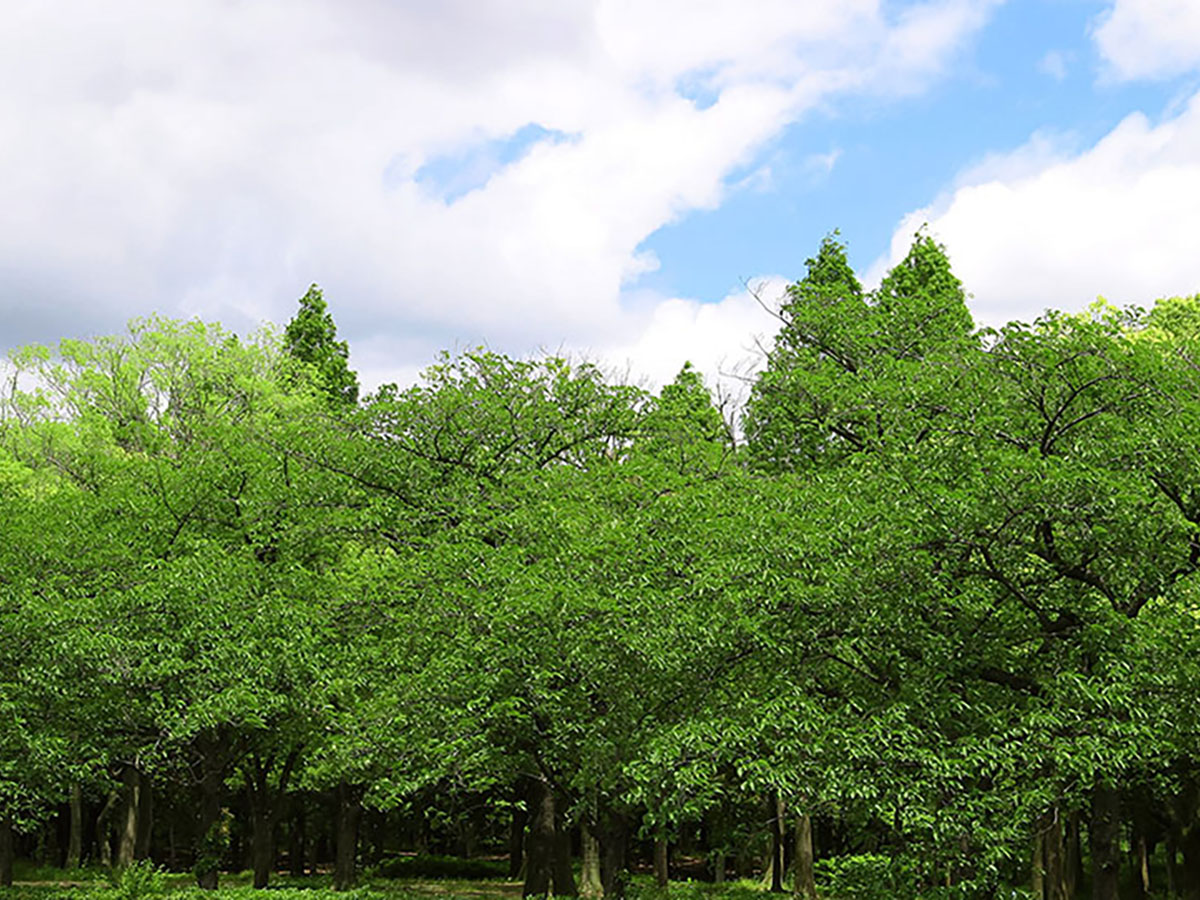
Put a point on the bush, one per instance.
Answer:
(441, 867)
(137, 880)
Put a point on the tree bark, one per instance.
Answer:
(297, 842)
(211, 835)
(1072, 855)
(349, 814)
(539, 841)
(145, 826)
(516, 840)
(1037, 873)
(262, 843)
(6, 850)
(589, 873)
(131, 804)
(614, 841)
(1105, 842)
(775, 805)
(805, 881)
(1140, 852)
(564, 876)
(662, 873)
(75, 842)
(1189, 843)
(1050, 836)
(104, 828)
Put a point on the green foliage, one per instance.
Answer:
(311, 338)
(949, 584)
(441, 867)
(138, 880)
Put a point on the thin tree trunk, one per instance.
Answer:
(662, 873)
(775, 804)
(516, 840)
(1072, 855)
(145, 823)
(589, 873)
(1190, 871)
(718, 865)
(1139, 856)
(1105, 842)
(6, 850)
(131, 796)
(349, 813)
(1054, 857)
(614, 840)
(564, 876)
(1172, 848)
(104, 827)
(75, 843)
(297, 842)
(805, 881)
(211, 837)
(1037, 880)
(539, 843)
(262, 842)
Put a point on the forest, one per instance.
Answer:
(920, 618)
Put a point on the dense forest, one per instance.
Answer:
(922, 616)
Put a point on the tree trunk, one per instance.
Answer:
(805, 884)
(104, 827)
(6, 850)
(1105, 842)
(539, 842)
(75, 842)
(349, 813)
(145, 818)
(1190, 845)
(589, 873)
(775, 805)
(1037, 876)
(211, 835)
(614, 840)
(516, 840)
(1139, 852)
(1172, 848)
(262, 842)
(1072, 856)
(564, 876)
(1050, 836)
(297, 842)
(131, 797)
(662, 873)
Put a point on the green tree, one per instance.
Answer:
(311, 338)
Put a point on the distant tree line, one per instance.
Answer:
(926, 614)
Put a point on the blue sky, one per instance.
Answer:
(597, 177)
(892, 157)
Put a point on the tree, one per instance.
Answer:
(311, 338)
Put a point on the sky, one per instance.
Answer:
(626, 181)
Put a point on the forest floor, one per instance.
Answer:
(46, 884)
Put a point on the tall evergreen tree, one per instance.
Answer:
(311, 337)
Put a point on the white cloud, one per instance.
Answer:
(1044, 228)
(213, 159)
(724, 340)
(1149, 38)
(1054, 64)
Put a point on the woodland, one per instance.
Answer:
(921, 618)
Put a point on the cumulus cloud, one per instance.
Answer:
(1054, 64)
(1046, 228)
(213, 159)
(1149, 38)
